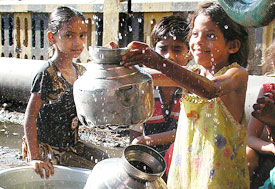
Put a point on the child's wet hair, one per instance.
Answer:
(61, 15)
(230, 29)
(175, 26)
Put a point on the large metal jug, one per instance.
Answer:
(110, 94)
(139, 167)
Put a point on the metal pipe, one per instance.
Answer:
(16, 77)
(250, 13)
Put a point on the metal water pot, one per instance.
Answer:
(139, 167)
(110, 94)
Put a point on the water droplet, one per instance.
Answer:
(119, 36)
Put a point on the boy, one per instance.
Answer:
(169, 39)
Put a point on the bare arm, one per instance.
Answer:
(255, 129)
(159, 79)
(140, 53)
(30, 130)
(156, 139)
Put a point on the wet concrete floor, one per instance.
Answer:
(10, 145)
(11, 140)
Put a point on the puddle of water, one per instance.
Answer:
(11, 140)
(10, 145)
(11, 135)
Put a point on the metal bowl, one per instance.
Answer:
(25, 177)
(105, 55)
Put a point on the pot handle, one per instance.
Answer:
(127, 95)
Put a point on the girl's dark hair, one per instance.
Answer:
(62, 15)
(230, 29)
(170, 26)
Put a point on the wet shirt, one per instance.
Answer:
(163, 119)
(57, 119)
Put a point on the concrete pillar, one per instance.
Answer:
(267, 38)
(22, 32)
(91, 37)
(110, 21)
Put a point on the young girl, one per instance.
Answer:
(209, 150)
(260, 152)
(51, 122)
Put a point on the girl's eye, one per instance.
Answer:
(211, 36)
(68, 36)
(163, 49)
(194, 34)
(83, 36)
(177, 49)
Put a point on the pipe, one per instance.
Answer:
(16, 76)
(250, 13)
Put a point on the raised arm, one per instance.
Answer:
(141, 53)
(159, 79)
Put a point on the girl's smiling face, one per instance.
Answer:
(208, 45)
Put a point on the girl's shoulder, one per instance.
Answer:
(46, 69)
(229, 67)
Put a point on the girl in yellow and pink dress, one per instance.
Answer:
(209, 149)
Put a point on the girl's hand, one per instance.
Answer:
(40, 166)
(139, 140)
(264, 109)
(142, 140)
(112, 45)
(140, 53)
